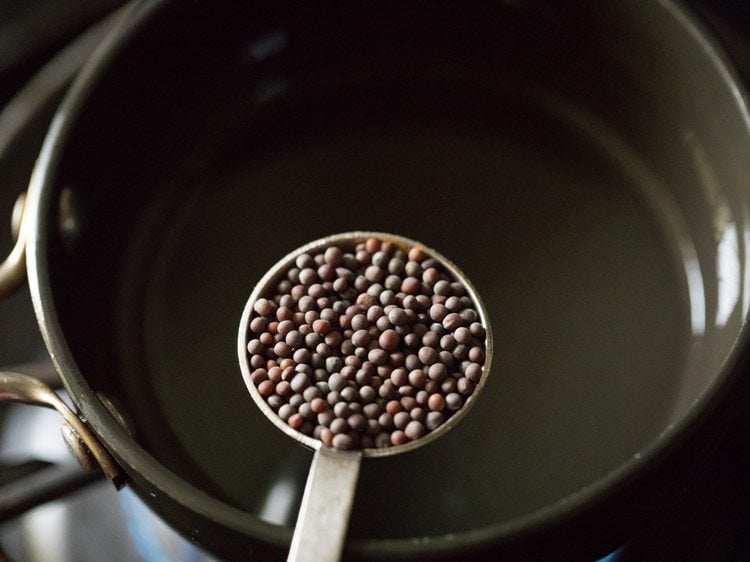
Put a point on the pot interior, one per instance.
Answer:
(582, 166)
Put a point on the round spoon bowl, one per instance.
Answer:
(350, 239)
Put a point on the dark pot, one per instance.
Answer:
(586, 166)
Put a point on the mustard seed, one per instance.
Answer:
(408, 402)
(339, 425)
(301, 355)
(294, 339)
(412, 340)
(300, 381)
(295, 421)
(275, 401)
(389, 340)
(336, 382)
(436, 402)
(464, 386)
(374, 273)
(377, 356)
(342, 441)
(365, 346)
(383, 323)
(448, 385)
(430, 339)
(285, 411)
(396, 266)
(438, 312)
(266, 388)
(413, 269)
(473, 372)
(398, 437)
(349, 394)
(308, 276)
(333, 338)
(264, 307)
(373, 313)
(371, 410)
(477, 330)
(326, 436)
(321, 326)
(417, 253)
(340, 285)
(342, 410)
(372, 245)
(367, 394)
(399, 377)
(434, 420)
(281, 349)
(454, 401)
(438, 372)
(326, 274)
(452, 321)
(415, 429)
(461, 352)
(442, 288)
(417, 378)
(401, 420)
(283, 389)
(397, 317)
(476, 354)
(334, 256)
(357, 422)
(325, 418)
(385, 420)
(427, 355)
(410, 285)
(258, 325)
(318, 405)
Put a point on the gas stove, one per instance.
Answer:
(50, 510)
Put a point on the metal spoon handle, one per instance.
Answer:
(326, 505)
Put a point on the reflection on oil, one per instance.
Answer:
(665, 209)
(675, 231)
(269, 89)
(729, 250)
(261, 49)
(729, 270)
(281, 502)
(266, 46)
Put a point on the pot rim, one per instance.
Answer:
(130, 453)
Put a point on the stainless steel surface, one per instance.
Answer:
(320, 531)
(17, 387)
(77, 447)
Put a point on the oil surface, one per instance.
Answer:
(584, 294)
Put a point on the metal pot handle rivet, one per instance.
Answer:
(90, 453)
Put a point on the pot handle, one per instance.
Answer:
(83, 444)
(13, 269)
